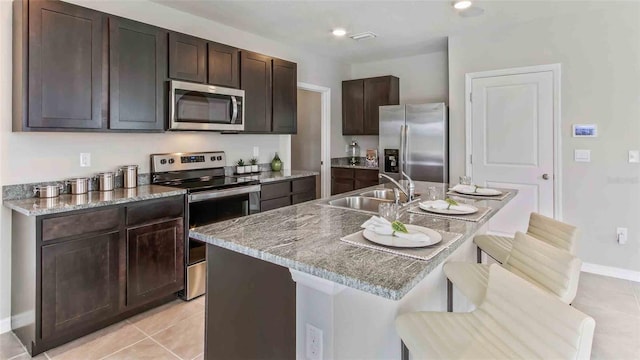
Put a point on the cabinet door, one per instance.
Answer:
(155, 261)
(285, 97)
(376, 93)
(137, 75)
(67, 85)
(339, 186)
(223, 65)
(79, 283)
(352, 107)
(256, 83)
(187, 58)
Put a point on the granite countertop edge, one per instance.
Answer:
(20, 205)
(274, 176)
(308, 269)
(362, 167)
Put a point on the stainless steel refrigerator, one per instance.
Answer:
(415, 139)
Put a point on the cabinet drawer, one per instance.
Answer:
(275, 203)
(302, 197)
(304, 185)
(153, 210)
(341, 173)
(366, 175)
(88, 222)
(276, 190)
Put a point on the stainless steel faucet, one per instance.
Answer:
(409, 191)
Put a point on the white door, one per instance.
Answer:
(512, 143)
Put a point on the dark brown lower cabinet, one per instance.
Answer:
(155, 261)
(79, 282)
(345, 180)
(288, 192)
(76, 272)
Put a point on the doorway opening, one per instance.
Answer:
(310, 145)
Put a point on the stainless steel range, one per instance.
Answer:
(212, 197)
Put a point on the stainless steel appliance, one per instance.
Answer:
(212, 197)
(205, 107)
(414, 139)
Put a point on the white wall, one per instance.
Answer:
(600, 56)
(28, 157)
(423, 78)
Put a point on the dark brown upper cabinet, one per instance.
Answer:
(137, 75)
(187, 58)
(61, 84)
(361, 99)
(223, 69)
(256, 83)
(285, 96)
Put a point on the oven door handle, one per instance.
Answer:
(234, 114)
(217, 194)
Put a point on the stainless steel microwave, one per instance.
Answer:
(205, 107)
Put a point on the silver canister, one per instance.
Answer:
(78, 185)
(129, 176)
(106, 181)
(47, 191)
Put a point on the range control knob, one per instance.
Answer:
(163, 161)
(219, 158)
(171, 161)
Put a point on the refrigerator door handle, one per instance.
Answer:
(401, 152)
(405, 151)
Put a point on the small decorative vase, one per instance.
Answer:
(254, 168)
(239, 169)
(276, 163)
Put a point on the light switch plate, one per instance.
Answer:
(582, 155)
(634, 156)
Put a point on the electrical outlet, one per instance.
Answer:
(313, 343)
(256, 151)
(621, 234)
(85, 159)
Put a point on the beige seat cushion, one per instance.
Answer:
(552, 269)
(551, 231)
(515, 321)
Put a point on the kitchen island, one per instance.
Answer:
(350, 293)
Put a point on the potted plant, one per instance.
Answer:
(254, 164)
(240, 166)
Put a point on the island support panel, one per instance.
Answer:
(250, 308)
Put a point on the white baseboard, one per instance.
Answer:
(611, 272)
(5, 325)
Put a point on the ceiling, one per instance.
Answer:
(404, 28)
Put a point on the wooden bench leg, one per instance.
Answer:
(449, 296)
(404, 351)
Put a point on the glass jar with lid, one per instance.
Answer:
(353, 152)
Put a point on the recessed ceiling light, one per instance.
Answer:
(462, 4)
(339, 32)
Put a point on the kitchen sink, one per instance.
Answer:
(386, 194)
(361, 203)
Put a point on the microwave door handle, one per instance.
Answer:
(234, 113)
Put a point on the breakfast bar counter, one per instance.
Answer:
(348, 292)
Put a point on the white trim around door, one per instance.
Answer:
(557, 121)
(325, 135)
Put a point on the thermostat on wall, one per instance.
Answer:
(585, 130)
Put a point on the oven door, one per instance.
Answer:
(208, 208)
(204, 107)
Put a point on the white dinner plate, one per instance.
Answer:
(468, 209)
(390, 240)
(485, 192)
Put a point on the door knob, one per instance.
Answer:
(545, 176)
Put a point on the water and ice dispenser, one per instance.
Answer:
(391, 160)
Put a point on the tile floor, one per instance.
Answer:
(176, 330)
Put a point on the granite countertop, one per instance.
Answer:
(67, 202)
(272, 176)
(306, 237)
(344, 163)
